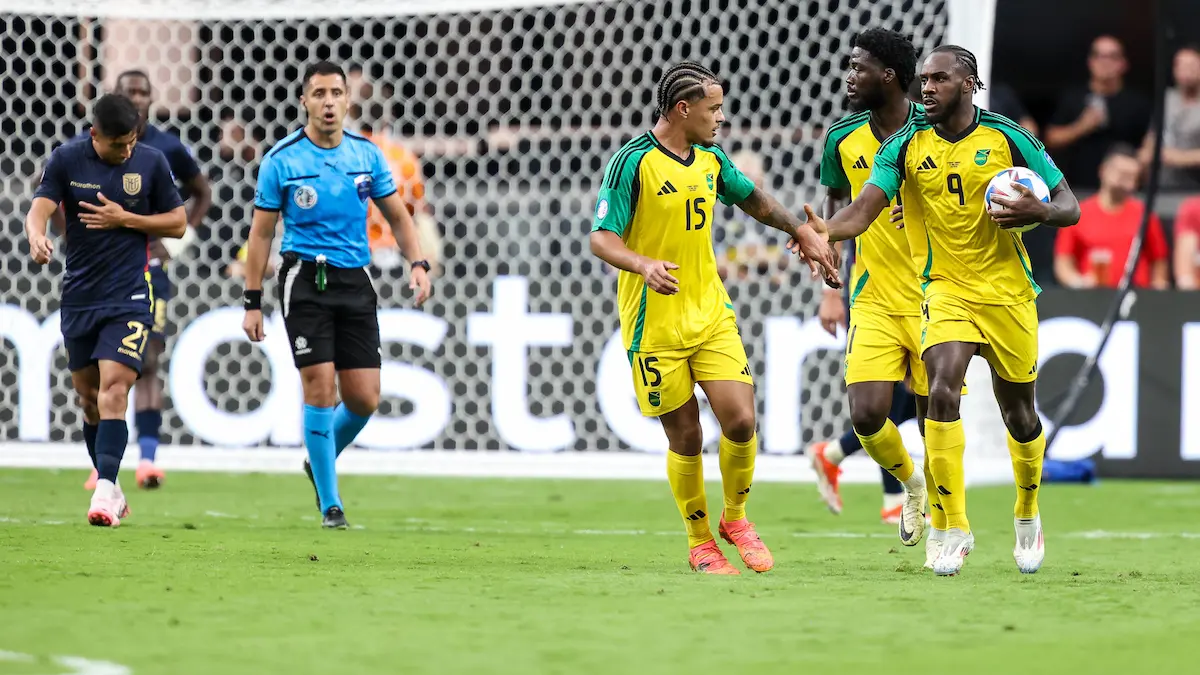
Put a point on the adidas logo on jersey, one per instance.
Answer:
(861, 163)
(927, 165)
(667, 189)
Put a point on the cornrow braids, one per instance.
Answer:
(682, 82)
(965, 60)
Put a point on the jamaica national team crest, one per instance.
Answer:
(132, 183)
(981, 156)
(709, 179)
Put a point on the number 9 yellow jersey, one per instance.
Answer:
(662, 206)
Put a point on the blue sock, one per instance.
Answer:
(318, 438)
(148, 423)
(346, 426)
(850, 443)
(89, 439)
(111, 438)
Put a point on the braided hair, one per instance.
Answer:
(965, 60)
(685, 81)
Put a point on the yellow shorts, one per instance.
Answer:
(881, 347)
(665, 380)
(1007, 335)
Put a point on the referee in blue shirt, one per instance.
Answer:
(320, 178)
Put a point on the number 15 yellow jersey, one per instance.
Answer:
(662, 206)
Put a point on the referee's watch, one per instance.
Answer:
(423, 264)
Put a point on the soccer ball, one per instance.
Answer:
(1001, 185)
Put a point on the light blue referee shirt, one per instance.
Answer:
(323, 195)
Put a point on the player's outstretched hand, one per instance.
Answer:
(657, 274)
(1024, 209)
(41, 248)
(898, 216)
(831, 313)
(107, 216)
(419, 282)
(812, 245)
(252, 323)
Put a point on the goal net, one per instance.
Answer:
(500, 115)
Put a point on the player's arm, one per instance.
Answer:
(615, 207)
(169, 219)
(1026, 208)
(50, 192)
(395, 210)
(201, 192)
(832, 311)
(854, 219)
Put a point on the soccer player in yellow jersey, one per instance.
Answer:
(653, 222)
(885, 299)
(978, 288)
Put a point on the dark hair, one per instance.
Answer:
(965, 59)
(682, 82)
(135, 72)
(321, 68)
(114, 115)
(893, 50)
(1120, 150)
(1193, 47)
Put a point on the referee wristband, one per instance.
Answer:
(251, 300)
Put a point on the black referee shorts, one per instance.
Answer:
(339, 324)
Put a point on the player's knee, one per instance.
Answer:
(88, 404)
(112, 398)
(363, 405)
(944, 399)
(739, 427)
(1022, 422)
(687, 440)
(868, 417)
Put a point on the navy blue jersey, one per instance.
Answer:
(179, 158)
(107, 267)
(323, 195)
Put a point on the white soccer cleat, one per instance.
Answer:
(912, 516)
(120, 505)
(933, 546)
(955, 549)
(106, 506)
(1030, 550)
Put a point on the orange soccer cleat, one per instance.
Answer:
(827, 477)
(90, 483)
(891, 516)
(149, 477)
(707, 558)
(754, 552)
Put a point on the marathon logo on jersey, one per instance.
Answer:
(363, 183)
(132, 182)
(305, 197)
(302, 347)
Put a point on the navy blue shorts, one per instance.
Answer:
(115, 333)
(160, 287)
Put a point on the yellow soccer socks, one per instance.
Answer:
(686, 476)
(945, 443)
(1027, 461)
(737, 473)
(936, 514)
(887, 449)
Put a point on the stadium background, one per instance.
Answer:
(513, 107)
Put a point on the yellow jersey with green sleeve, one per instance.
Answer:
(883, 276)
(662, 206)
(958, 248)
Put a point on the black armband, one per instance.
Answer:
(251, 299)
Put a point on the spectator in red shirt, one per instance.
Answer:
(1187, 245)
(1092, 254)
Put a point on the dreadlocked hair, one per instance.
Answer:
(682, 82)
(966, 60)
(893, 50)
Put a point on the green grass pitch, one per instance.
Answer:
(231, 574)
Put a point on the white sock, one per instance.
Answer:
(104, 489)
(833, 452)
(891, 501)
(915, 482)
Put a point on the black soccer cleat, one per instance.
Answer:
(334, 519)
(308, 472)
